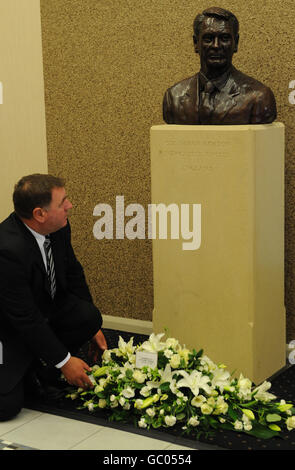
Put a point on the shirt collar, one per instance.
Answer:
(39, 237)
(219, 82)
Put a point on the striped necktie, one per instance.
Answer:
(50, 265)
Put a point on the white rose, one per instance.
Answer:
(184, 353)
(172, 343)
(290, 423)
(168, 353)
(145, 391)
(248, 427)
(170, 420)
(193, 421)
(122, 401)
(138, 403)
(90, 406)
(244, 386)
(238, 425)
(150, 412)
(175, 361)
(138, 376)
(221, 406)
(102, 403)
(142, 423)
(198, 401)
(206, 409)
(128, 392)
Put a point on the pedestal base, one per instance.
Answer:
(227, 296)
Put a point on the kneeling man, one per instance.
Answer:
(46, 309)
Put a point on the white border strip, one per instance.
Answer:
(129, 325)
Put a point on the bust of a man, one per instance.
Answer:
(219, 93)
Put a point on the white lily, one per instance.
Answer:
(220, 378)
(262, 394)
(166, 376)
(195, 381)
(153, 344)
(126, 348)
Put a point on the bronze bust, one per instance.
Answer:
(219, 93)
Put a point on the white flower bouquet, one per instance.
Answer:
(185, 388)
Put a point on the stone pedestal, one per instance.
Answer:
(226, 296)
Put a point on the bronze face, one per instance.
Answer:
(216, 45)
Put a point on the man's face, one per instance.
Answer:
(56, 215)
(216, 44)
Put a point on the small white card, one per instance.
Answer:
(146, 359)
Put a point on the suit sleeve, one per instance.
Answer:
(76, 280)
(264, 110)
(167, 108)
(21, 312)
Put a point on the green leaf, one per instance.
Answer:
(129, 373)
(273, 418)
(263, 432)
(165, 387)
(233, 414)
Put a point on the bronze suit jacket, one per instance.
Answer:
(242, 100)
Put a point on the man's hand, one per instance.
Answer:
(97, 345)
(74, 372)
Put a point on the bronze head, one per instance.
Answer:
(216, 38)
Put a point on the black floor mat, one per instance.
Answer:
(283, 386)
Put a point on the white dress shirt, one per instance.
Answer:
(40, 239)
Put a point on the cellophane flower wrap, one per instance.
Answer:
(186, 389)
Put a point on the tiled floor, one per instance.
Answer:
(44, 431)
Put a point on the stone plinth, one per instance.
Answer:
(226, 296)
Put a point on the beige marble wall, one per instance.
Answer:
(22, 108)
(106, 67)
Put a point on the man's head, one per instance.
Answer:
(41, 201)
(216, 37)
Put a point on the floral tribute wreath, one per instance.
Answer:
(185, 388)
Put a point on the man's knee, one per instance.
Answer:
(11, 403)
(93, 317)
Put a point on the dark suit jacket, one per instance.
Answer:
(243, 100)
(25, 301)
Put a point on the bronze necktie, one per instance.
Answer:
(206, 106)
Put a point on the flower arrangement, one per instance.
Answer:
(185, 388)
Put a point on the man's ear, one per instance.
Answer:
(39, 214)
(236, 43)
(196, 44)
